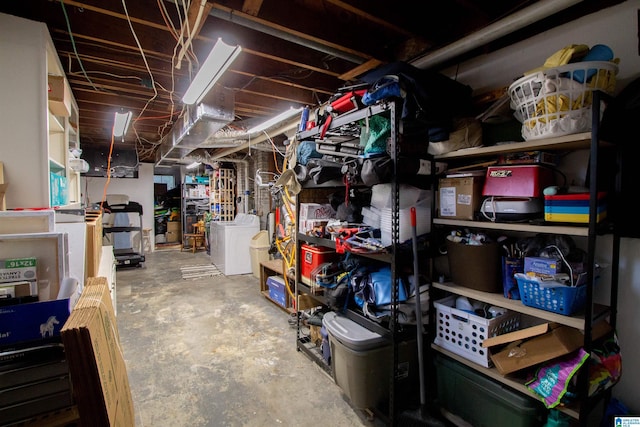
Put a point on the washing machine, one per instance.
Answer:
(230, 243)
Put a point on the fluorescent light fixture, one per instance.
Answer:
(121, 123)
(221, 56)
(193, 165)
(277, 119)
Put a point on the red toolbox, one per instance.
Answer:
(517, 180)
(312, 256)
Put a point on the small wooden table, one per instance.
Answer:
(272, 267)
(197, 239)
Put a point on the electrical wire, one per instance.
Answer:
(186, 45)
(73, 44)
(144, 58)
(176, 63)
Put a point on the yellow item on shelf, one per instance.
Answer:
(562, 57)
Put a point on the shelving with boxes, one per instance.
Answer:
(546, 322)
(372, 358)
(195, 204)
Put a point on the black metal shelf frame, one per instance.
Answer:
(393, 331)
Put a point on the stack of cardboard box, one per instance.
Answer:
(97, 366)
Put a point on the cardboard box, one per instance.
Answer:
(316, 211)
(34, 321)
(308, 226)
(557, 342)
(96, 364)
(542, 265)
(173, 226)
(459, 198)
(531, 348)
(516, 335)
(172, 236)
(59, 96)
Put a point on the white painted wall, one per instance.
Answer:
(616, 27)
(139, 190)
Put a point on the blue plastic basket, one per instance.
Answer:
(559, 299)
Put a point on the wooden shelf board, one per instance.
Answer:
(531, 228)
(567, 142)
(515, 305)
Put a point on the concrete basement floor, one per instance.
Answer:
(214, 352)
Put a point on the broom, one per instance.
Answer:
(421, 416)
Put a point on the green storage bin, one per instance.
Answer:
(482, 401)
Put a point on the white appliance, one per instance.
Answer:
(230, 243)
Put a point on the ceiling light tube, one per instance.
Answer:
(219, 59)
(121, 123)
(193, 165)
(277, 119)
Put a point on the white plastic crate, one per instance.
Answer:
(557, 101)
(462, 332)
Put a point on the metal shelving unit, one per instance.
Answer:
(195, 203)
(592, 313)
(392, 330)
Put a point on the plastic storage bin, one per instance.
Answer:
(277, 291)
(259, 248)
(559, 299)
(423, 221)
(361, 362)
(573, 208)
(462, 332)
(481, 401)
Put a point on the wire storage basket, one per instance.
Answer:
(557, 101)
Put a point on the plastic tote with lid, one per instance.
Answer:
(259, 248)
(361, 361)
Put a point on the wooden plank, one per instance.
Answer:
(93, 253)
(17, 222)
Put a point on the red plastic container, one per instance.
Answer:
(312, 256)
(517, 180)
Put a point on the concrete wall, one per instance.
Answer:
(616, 27)
(263, 161)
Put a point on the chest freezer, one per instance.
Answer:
(230, 243)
